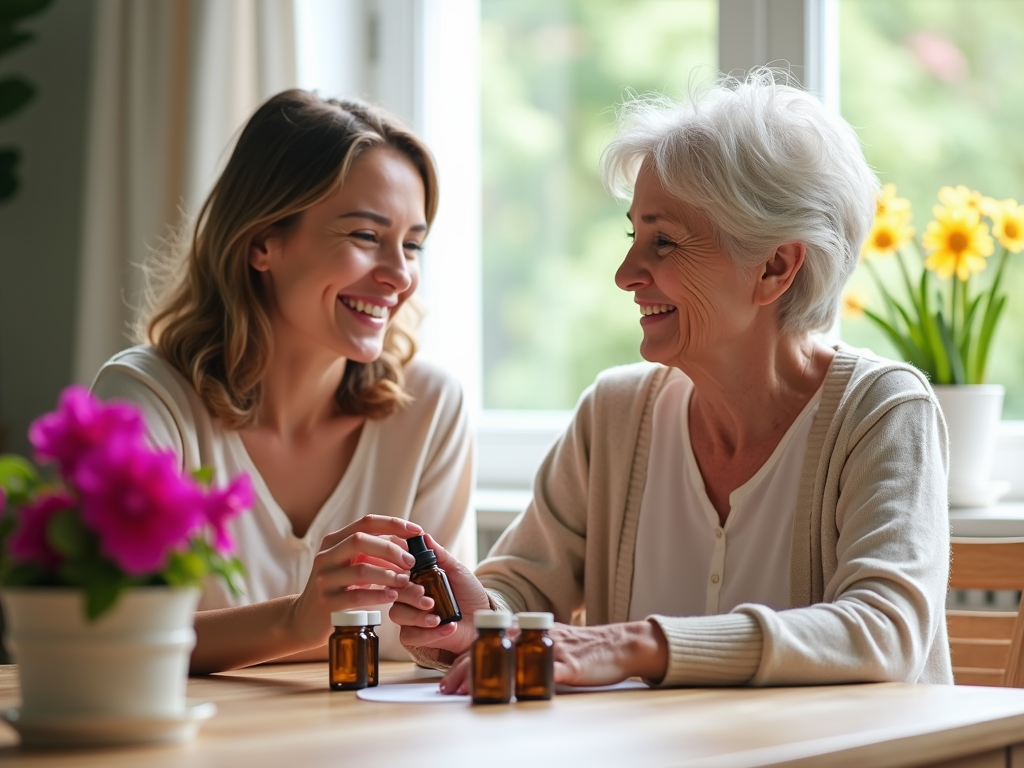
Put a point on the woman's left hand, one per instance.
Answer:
(584, 656)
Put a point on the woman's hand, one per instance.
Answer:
(584, 656)
(357, 566)
(420, 629)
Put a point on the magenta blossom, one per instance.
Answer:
(223, 504)
(80, 423)
(138, 504)
(28, 542)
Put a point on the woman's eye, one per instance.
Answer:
(414, 247)
(631, 235)
(661, 242)
(369, 237)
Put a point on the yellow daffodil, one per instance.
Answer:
(854, 302)
(889, 232)
(962, 197)
(889, 203)
(1008, 224)
(959, 241)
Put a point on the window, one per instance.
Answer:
(934, 90)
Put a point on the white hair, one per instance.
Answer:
(767, 163)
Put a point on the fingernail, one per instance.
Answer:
(391, 594)
(443, 687)
(403, 578)
(413, 527)
(408, 559)
(433, 620)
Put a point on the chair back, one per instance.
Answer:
(987, 645)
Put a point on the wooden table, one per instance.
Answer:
(284, 715)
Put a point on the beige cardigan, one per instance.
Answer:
(870, 553)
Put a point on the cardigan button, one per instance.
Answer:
(714, 578)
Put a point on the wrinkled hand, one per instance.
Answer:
(357, 566)
(584, 656)
(420, 629)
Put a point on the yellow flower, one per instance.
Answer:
(854, 302)
(962, 197)
(1008, 224)
(889, 203)
(889, 232)
(959, 242)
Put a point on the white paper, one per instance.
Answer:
(430, 693)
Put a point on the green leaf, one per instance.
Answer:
(955, 364)
(68, 535)
(203, 476)
(18, 478)
(15, 10)
(11, 39)
(15, 93)
(942, 373)
(100, 597)
(988, 327)
(8, 178)
(185, 569)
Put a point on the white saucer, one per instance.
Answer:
(979, 497)
(107, 730)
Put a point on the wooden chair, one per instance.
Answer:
(987, 646)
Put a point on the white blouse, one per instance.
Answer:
(686, 564)
(416, 464)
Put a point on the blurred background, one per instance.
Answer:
(136, 103)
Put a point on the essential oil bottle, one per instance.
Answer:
(433, 580)
(348, 651)
(493, 659)
(373, 651)
(535, 657)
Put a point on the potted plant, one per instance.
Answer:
(943, 318)
(100, 569)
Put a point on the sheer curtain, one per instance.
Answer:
(173, 81)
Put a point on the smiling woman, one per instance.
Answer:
(282, 346)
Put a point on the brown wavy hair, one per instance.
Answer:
(210, 320)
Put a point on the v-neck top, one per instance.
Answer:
(687, 563)
(415, 464)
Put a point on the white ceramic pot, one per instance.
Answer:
(972, 416)
(132, 661)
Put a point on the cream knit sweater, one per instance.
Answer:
(870, 553)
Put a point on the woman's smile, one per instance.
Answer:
(374, 313)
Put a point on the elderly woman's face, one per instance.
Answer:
(693, 299)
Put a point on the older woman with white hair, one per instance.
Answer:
(751, 506)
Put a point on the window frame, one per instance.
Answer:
(411, 68)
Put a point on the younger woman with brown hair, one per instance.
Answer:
(283, 348)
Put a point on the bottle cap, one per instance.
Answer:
(418, 548)
(348, 618)
(539, 620)
(492, 620)
(373, 618)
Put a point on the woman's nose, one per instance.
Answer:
(632, 274)
(393, 270)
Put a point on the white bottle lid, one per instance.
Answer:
(539, 620)
(348, 618)
(492, 620)
(373, 618)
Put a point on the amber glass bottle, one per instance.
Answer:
(493, 659)
(373, 651)
(433, 580)
(347, 651)
(535, 657)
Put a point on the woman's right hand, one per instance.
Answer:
(411, 611)
(357, 566)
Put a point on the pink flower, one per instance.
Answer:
(28, 542)
(138, 504)
(221, 505)
(80, 423)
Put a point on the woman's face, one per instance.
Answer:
(693, 299)
(336, 277)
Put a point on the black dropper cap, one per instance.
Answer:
(425, 558)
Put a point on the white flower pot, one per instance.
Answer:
(131, 662)
(972, 416)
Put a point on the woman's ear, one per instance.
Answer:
(260, 249)
(778, 272)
